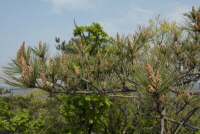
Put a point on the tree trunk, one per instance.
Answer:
(90, 128)
(162, 130)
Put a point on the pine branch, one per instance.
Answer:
(184, 120)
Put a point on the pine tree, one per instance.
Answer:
(153, 67)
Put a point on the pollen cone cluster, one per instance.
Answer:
(154, 82)
(27, 69)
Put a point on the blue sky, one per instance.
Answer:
(35, 20)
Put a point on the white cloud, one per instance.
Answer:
(127, 20)
(59, 5)
(177, 13)
(144, 11)
(138, 15)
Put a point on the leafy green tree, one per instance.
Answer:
(38, 102)
(93, 38)
(82, 113)
(18, 122)
(153, 67)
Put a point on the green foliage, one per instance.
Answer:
(91, 39)
(33, 100)
(192, 20)
(38, 102)
(19, 122)
(95, 34)
(153, 67)
(84, 113)
(1, 90)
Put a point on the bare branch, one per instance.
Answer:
(149, 127)
(196, 92)
(85, 91)
(197, 73)
(148, 114)
(90, 82)
(182, 108)
(75, 23)
(177, 122)
(188, 77)
(122, 96)
(184, 120)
